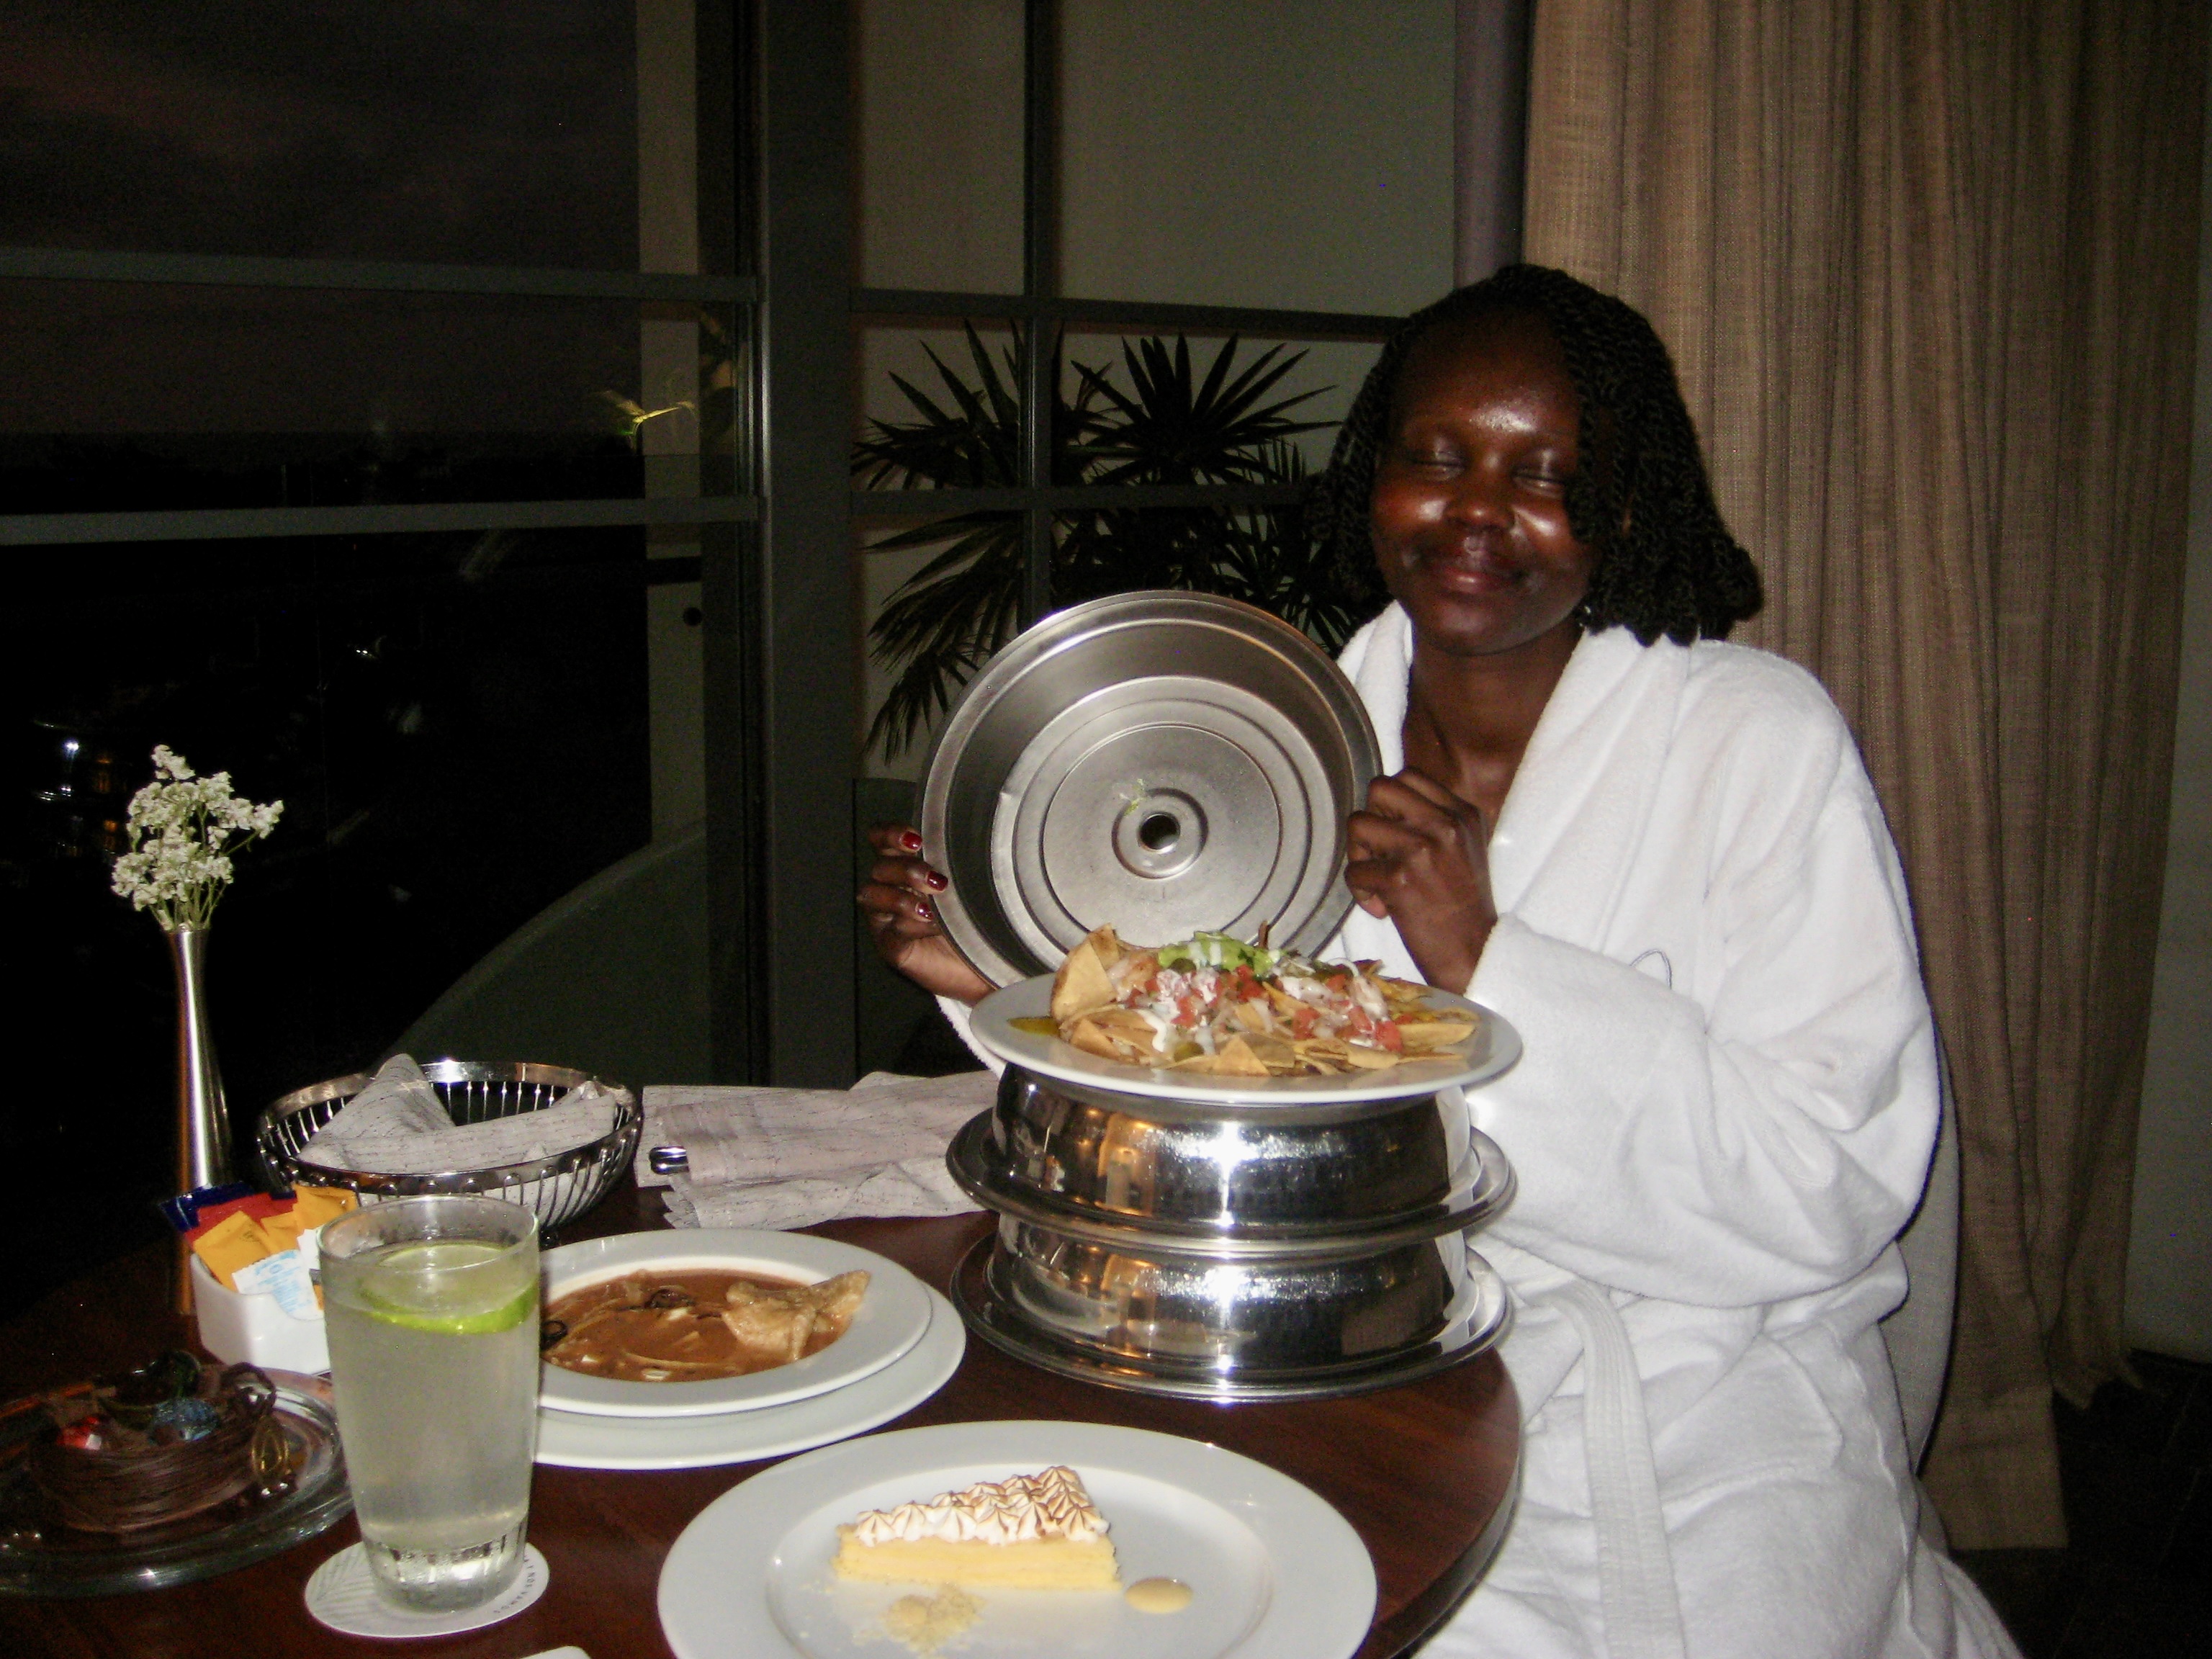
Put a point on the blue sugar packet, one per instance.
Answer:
(183, 1212)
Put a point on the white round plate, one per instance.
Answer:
(1276, 1573)
(891, 1318)
(576, 1442)
(1492, 1050)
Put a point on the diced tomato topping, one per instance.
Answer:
(1304, 1018)
(1246, 988)
(1386, 1033)
(1339, 981)
(1359, 1021)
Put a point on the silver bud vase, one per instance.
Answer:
(202, 1117)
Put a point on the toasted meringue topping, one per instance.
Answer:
(1051, 1505)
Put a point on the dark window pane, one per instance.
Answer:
(1224, 153)
(944, 362)
(456, 725)
(121, 396)
(1263, 556)
(1313, 381)
(408, 130)
(939, 145)
(1135, 410)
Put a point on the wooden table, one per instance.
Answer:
(1423, 1472)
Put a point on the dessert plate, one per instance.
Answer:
(891, 1318)
(1492, 1050)
(40, 1557)
(576, 1442)
(1275, 1572)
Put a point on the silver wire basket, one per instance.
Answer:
(557, 1188)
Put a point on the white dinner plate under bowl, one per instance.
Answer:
(1489, 1051)
(891, 1319)
(573, 1441)
(1275, 1572)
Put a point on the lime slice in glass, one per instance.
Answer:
(442, 1286)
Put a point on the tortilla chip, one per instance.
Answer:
(1369, 1059)
(1085, 1035)
(1234, 1058)
(1082, 983)
(1125, 1025)
(1425, 1034)
(1252, 1015)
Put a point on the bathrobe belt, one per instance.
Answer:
(1636, 1571)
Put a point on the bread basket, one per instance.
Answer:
(558, 1188)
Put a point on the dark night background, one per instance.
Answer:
(457, 724)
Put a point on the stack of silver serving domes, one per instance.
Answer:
(1231, 1249)
(1169, 762)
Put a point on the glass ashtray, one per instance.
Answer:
(41, 1555)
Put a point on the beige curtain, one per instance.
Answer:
(1928, 269)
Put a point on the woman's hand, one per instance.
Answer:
(1420, 856)
(903, 922)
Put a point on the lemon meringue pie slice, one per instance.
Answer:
(1027, 1532)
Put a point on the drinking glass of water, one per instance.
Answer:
(432, 1309)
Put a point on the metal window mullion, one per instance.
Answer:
(415, 518)
(733, 646)
(809, 712)
(367, 275)
(1132, 313)
(1039, 392)
(1066, 498)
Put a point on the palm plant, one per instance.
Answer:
(1174, 424)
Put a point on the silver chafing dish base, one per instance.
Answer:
(1473, 1321)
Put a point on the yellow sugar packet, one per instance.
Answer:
(313, 1205)
(236, 1242)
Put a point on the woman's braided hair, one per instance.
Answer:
(1639, 499)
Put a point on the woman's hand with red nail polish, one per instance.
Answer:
(904, 924)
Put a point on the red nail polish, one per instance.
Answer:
(937, 883)
(925, 912)
(911, 841)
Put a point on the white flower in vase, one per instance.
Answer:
(183, 829)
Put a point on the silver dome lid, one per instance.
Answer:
(1162, 762)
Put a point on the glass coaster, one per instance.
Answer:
(342, 1596)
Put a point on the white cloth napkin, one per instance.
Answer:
(399, 1125)
(790, 1158)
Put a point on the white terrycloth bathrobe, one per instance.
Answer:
(1723, 1116)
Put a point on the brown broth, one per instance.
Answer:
(612, 1329)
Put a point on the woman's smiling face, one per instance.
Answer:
(1470, 513)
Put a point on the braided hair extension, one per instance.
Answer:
(1640, 499)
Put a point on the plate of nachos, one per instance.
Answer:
(1213, 1016)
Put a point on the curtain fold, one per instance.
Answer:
(1929, 272)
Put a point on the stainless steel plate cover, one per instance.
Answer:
(1162, 762)
(1160, 1323)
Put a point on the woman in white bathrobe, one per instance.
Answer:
(1659, 856)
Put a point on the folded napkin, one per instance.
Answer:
(399, 1125)
(790, 1158)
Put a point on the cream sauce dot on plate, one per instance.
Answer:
(1157, 1596)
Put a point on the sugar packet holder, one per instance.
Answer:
(254, 1277)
